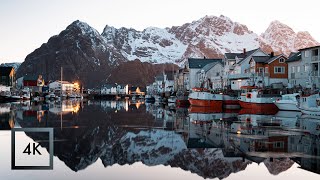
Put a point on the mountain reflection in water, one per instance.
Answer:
(209, 144)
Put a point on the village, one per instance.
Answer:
(251, 79)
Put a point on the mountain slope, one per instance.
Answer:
(283, 39)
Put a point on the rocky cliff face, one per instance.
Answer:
(80, 50)
(91, 57)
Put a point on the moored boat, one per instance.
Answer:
(203, 97)
(310, 104)
(288, 102)
(255, 98)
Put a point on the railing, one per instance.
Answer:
(239, 76)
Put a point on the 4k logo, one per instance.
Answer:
(32, 149)
(35, 149)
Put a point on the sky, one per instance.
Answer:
(26, 24)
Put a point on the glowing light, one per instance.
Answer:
(238, 132)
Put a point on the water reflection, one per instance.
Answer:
(210, 144)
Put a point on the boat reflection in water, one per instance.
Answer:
(209, 144)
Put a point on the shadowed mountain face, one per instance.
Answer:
(91, 57)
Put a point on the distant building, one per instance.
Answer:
(182, 80)
(168, 81)
(194, 66)
(297, 70)
(210, 76)
(304, 67)
(62, 86)
(34, 83)
(7, 76)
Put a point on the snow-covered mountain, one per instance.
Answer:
(210, 36)
(283, 39)
(91, 57)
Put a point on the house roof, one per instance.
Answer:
(197, 63)
(109, 85)
(274, 58)
(248, 53)
(207, 67)
(311, 47)
(265, 59)
(30, 78)
(260, 59)
(295, 57)
(5, 71)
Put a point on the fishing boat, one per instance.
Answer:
(288, 102)
(204, 97)
(256, 98)
(310, 104)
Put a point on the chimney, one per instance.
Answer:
(244, 51)
(272, 54)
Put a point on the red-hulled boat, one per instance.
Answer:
(203, 97)
(255, 98)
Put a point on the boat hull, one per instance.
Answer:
(287, 106)
(206, 103)
(311, 111)
(258, 106)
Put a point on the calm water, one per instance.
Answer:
(127, 140)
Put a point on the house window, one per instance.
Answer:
(281, 60)
(260, 69)
(279, 70)
(315, 52)
(278, 144)
(298, 68)
(306, 54)
(293, 69)
(305, 68)
(218, 74)
(266, 69)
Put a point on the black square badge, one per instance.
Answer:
(13, 148)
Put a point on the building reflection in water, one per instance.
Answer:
(210, 144)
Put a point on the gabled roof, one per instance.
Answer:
(260, 59)
(5, 71)
(30, 78)
(266, 59)
(248, 53)
(207, 67)
(109, 86)
(309, 48)
(274, 58)
(195, 63)
(295, 57)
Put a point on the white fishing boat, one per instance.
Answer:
(310, 104)
(204, 97)
(257, 99)
(288, 102)
(26, 94)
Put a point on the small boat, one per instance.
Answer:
(310, 104)
(26, 94)
(288, 102)
(15, 98)
(256, 98)
(72, 96)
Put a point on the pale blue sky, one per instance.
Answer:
(26, 24)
